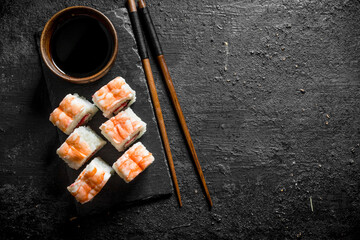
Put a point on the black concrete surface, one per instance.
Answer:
(270, 90)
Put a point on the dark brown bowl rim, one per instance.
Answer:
(48, 61)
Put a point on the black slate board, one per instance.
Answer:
(153, 182)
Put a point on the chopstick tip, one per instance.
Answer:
(178, 196)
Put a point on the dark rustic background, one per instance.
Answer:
(270, 90)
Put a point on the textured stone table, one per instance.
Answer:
(271, 93)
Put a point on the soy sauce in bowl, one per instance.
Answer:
(81, 46)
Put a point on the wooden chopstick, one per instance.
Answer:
(135, 22)
(156, 47)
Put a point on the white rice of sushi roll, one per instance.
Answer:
(123, 129)
(80, 146)
(103, 166)
(89, 111)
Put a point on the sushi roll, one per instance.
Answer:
(135, 160)
(72, 112)
(123, 129)
(80, 146)
(91, 180)
(114, 97)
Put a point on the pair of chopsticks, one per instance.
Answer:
(156, 47)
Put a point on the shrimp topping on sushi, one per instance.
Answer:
(123, 129)
(114, 97)
(72, 112)
(80, 146)
(90, 181)
(135, 160)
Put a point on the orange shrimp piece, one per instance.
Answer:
(140, 156)
(121, 131)
(121, 126)
(110, 94)
(105, 97)
(128, 169)
(74, 150)
(125, 122)
(70, 107)
(116, 88)
(60, 119)
(133, 162)
(109, 128)
(69, 152)
(82, 147)
(117, 83)
(63, 115)
(88, 184)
